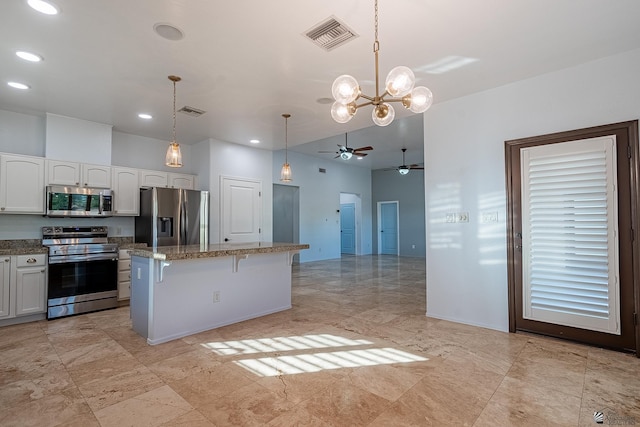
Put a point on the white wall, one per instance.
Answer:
(146, 153)
(238, 161)
(464, 171)
(77, 140)
(22, 133)
(320, 202)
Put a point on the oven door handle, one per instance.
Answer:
(82, 258)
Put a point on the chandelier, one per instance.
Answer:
(285, 172)
(399, 87)
(174, 156)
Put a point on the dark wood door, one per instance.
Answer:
(628, 170)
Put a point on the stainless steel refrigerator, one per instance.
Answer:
(172, 216)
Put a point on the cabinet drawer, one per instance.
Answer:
(31, 260)
(124, 264)
(124, 254)
(124, 276)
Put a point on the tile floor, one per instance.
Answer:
(355, 350)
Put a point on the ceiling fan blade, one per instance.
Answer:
(332, 152)
(416, 166)
(367, 148)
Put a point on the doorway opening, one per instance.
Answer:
(286, 214)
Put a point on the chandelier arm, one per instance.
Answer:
(370, 98)
(364, 104)
(392, 100)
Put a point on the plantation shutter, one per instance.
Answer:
(569, 235)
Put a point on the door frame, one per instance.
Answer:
(379, 233)
(512, 148)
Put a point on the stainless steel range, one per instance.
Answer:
(83, 270)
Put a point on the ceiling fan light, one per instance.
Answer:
(345, 155)
(400, 81)
(341, 112)
(383, 114)
(403, 170)
(173, 159)
(419, 100)
(345, 89)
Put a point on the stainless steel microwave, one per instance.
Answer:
(78, 201)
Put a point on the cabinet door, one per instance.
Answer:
(127, 191)
(62, 173)
(181, 180)
(96, 176)
(153, 179)
(4, 287)
(30, 290)
(21, 184)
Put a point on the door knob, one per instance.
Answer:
(226, 240)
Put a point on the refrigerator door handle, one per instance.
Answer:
(184, 226)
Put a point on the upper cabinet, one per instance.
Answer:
(126, 191)
(21, 189)
(153, 178)
(78, 174)
(181, 180)
(149, 178)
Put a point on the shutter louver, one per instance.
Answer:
(569, 234)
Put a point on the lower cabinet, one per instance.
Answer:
(124, 275)
(23, 285)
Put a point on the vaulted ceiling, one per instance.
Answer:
(247, 62)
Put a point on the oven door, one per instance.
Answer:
(77, 276)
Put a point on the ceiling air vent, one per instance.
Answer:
(322, 170)
(191, 111)
(330, 34)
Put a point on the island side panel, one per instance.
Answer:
(141, 294)
(185, 303)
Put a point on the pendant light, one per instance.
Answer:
(285, 172)
(173, 158)
(399, 86)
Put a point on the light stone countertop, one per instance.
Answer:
(22, 247)
(215, 250)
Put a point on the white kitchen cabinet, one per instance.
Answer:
(21, 184)
(5, 267)
(29, 274)
(97, 176)
(78, 174)
(150, 178)
(181, 180)
(126, 190)
(23, 285)
(124, 275)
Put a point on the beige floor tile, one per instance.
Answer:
(53, 410)
(153, 408)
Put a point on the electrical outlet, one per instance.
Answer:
(216, 296)
(450, 217)
(463, 217)
(487, 217)
(413, 246)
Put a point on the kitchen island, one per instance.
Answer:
(182, 290)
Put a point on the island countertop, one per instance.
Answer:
(214, 250)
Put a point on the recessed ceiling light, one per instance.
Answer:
(168, 31)
(145, 116)
(45, 7)
(17, 85)
(28, 56)
(255, 141)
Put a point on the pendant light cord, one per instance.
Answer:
(174, 111)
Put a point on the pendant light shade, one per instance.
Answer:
(173, 157)
(285, 172)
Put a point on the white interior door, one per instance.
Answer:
(348, 228)
(241, 210)
(570, 234)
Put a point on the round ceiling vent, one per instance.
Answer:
(168, 31)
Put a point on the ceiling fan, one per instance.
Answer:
(345, 152)
(404, 169)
